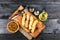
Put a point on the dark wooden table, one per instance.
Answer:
(52, 30)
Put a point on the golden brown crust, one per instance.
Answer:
(19, 20)
(34, 26)
(39, 29)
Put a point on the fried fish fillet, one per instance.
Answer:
(40, 28)
(31, 21)
(19, 20)
(34, 25)
(23, 19)
(27, 20)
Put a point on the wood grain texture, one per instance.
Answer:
(7, 7)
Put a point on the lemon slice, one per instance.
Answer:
(43, 16)
(12, 26)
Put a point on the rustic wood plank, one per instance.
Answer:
(53, 8)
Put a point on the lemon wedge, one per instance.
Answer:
(43, 16)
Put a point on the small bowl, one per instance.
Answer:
(12, 26)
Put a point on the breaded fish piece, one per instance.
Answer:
(34, 26)
(23, 20)
(19, 20)
(31, 21)
(40, 27)
(27, 20)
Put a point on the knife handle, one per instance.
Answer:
(16, 12)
